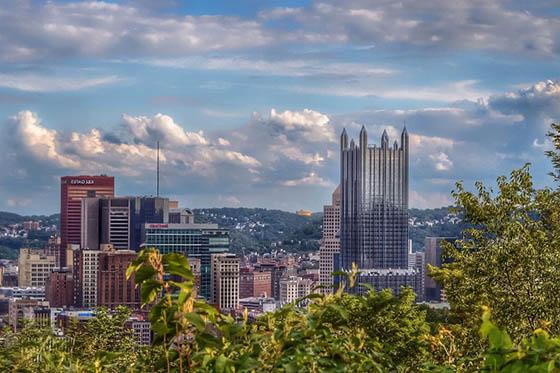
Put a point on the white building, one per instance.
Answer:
(34, 267)
(225, 281)
(293, 288)
(89, 269)
(330, 243)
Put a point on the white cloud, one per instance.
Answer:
(441, 161)
(291, 68)
(428, 25)
(451, 92)
(41, 83)
(160, 127)
(310, 124)
(39, 142)
(33, 31)
(311, 179)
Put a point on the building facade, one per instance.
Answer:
(59, 289)
(417, 262)
(277, 271)
(254, 283)
(433, 256)
(35, 266)
(72, 190)
(87, 271)
(330, 242)
(198, 241)
(294, 288)
(225, 281)
(113, 288)
(119, 220)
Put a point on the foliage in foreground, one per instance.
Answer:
(341, 332)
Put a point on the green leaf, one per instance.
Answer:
(149, 291)
(178, 264)
(196, 320)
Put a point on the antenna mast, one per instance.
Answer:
(157, 171)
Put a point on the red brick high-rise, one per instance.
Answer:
(113, 289)
(59, 288)
(72, 190)
(254, 283)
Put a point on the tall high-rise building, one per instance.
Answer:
(193, 240)
(35, 267)
(72, 190)
(225, 281)
(144, 210)
(119, 220)
(113, 288)
(85, 278)
(433, 256)
(330, 242)
(374, 211)
(374, 207)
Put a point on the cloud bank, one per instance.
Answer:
(284, 158)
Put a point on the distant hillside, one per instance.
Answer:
(256, 229)
(12, 240)
(259, 229)
(7, 218)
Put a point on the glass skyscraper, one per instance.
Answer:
(374, 210)
(192, 240)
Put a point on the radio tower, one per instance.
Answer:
(157, 171)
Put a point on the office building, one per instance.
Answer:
(154, 210)
(374, 212)
(59, 288)
(113, 288)
(198, 241)
(119, 220)
(330, 242)
(294, 288)
(106, 221)
(28, 310)
(35, 266)
(86, 268)
(225, 281)
(417, 262)
(180, 216)
(277, 271)
(254, 283)
(72, 190)
(433, 256)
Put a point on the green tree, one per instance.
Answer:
(554, 154)
(509, 259)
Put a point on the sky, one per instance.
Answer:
(248, 98)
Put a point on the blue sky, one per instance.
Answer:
(248, 98)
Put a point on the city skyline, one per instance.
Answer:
(254, 96)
